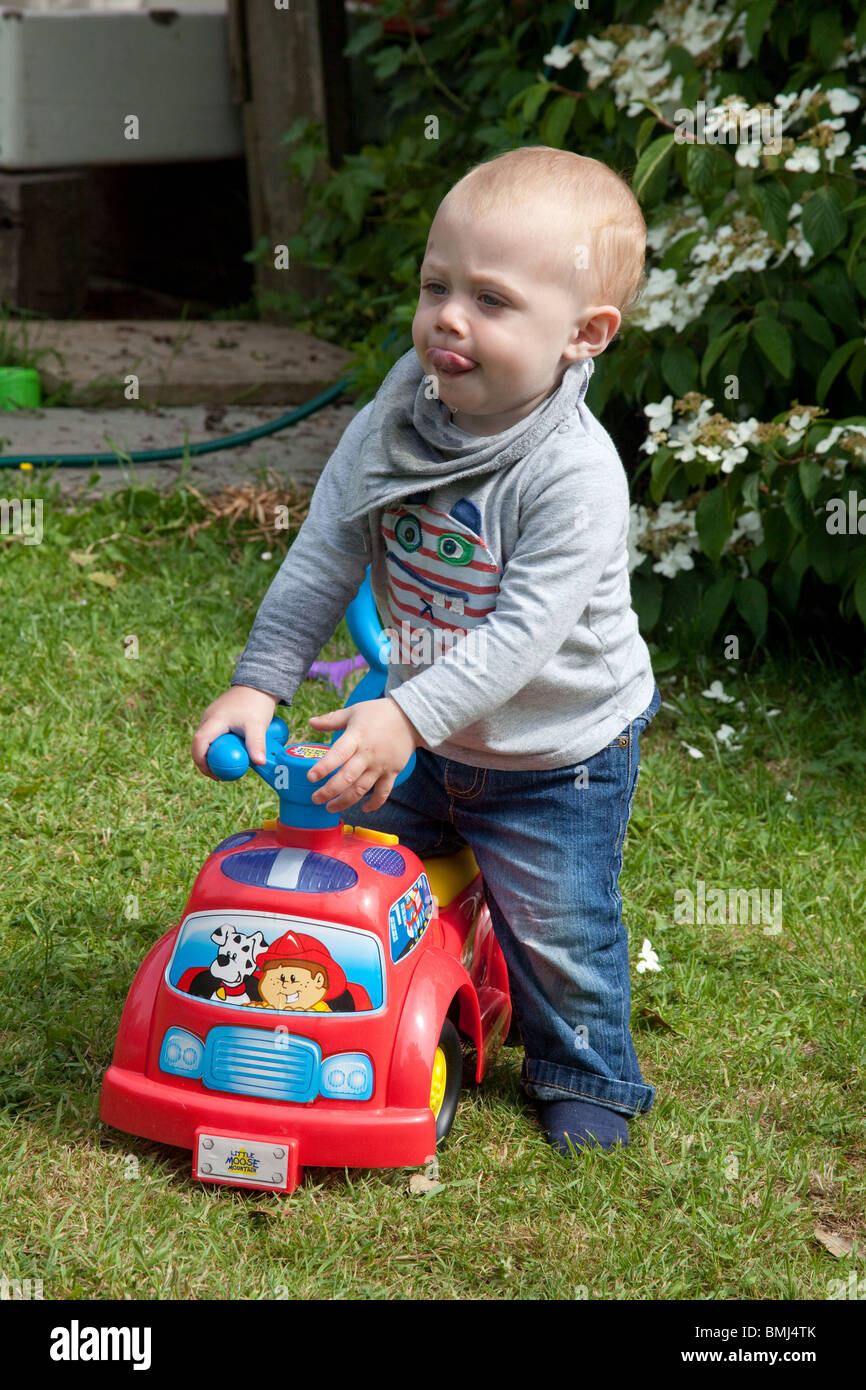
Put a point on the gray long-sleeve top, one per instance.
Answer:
(499, 565)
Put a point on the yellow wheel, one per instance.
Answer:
(446, 1079)
(437, 1082)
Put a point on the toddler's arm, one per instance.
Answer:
(307, 597)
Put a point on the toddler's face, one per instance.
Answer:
(492, 295)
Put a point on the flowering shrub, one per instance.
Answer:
(737, 378)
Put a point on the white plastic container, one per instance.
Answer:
(71, 79)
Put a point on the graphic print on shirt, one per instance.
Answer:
(442, 579)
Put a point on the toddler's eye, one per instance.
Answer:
(455, 550)
(496, 302)
(408, 532)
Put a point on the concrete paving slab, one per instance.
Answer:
(192, 362)
(296, 454)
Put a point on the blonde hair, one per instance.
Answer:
(609, 237)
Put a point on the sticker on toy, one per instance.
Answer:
(409, 918)
(278, 964)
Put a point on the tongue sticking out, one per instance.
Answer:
(450, 361)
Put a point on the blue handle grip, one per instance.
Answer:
(285, 770)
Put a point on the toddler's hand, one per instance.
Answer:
(376, 744)
(240, 710)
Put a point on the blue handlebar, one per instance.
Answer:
(285, 770)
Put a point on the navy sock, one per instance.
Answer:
(587, 1125)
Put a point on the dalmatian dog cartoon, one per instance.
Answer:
(229, 978)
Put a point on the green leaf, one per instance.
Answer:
(387, 61)
(750, 596)
(664, 466)
(856, 370)
(713, 522)
(823, 221)
(834, 367)
(702, 161)
(556, 120)
(680, 368)
(773, 202)
(532, 99)
(646, 596)
(796, 507)
(715, 350)
(649, 178)
(816, 326)
(827, 553)
(678, 253)
(367, 34)
(714, 603)
(756, 23)
(811, 472)
(645, 130)
(785, 583)
(775, 343)
(826, 37)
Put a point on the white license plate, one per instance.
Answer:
(271, 1164)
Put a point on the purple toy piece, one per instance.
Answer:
(335, 671)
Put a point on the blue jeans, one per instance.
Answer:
(549, 846)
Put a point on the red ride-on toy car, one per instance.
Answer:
(309, 1006)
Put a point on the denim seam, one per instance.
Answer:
(471, 792)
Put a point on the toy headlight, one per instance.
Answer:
(182, 1054)
(347, 1076)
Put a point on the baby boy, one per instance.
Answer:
(493, 509)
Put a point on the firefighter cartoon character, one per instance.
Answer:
(299, 974)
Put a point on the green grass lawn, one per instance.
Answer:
(754, 1039)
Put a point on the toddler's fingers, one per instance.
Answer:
(202, 740)
(255, 741)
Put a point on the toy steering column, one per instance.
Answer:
(285, 770)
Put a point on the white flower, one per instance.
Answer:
(858, 159)
(558, 57)
(661, 414)
(648, 960)
(805, 158)
(695, 752)
(748, 156)
(789, 797)
(772, 712)
(676, 559)
(733, 457)
(717, 692)
(724, 734)
(637, 526)
(265, 555)
(841, 100)
(837, 146)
